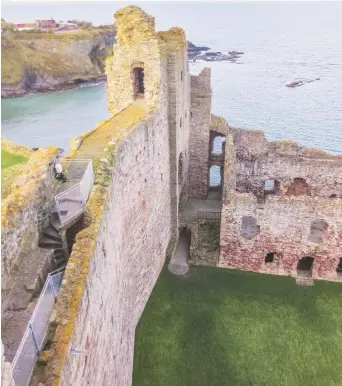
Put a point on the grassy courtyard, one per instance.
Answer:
(222, 327)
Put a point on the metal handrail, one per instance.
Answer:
(83, 185)
(24, 378)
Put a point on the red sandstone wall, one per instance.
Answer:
(283, 219)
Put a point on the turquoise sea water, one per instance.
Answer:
(281, 41)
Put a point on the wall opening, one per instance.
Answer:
(180, 169)
(333, 196)
(299, 187)
(249, 227)
(181, 76)
(304, 266)
(269, 257)
(317, 229)
(215, 176)
(271, 186)
(138, 82)
(339, 267)
(180, 122)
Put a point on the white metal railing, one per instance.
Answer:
(71, 202)
(33, 339)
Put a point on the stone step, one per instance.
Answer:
(54, 220)
(305, 281)
(52, 233)
(58, 251)
(178, 269)
(48, 243)
(60, 256)
(60, 263)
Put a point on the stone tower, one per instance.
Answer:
(134, 71)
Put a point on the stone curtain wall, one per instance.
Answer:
(178, 116)
(137, 45)
(284, 161)
(200, 133)
(129, 254)
(283, 222)
(25, 212)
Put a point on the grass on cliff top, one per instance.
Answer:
(79, 34)
(10, 168)
(223, 327)
(9, 159)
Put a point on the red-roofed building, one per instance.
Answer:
(46, 24)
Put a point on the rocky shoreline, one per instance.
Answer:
(70, 85)
(203, 53)
(36, 82)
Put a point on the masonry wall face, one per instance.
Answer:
(284, 222)
(129, 255)
(21, 236)
(200, 134)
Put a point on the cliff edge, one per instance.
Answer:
(40, 62)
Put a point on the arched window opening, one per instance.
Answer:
(339, 268)
(138, 82)
(269, 257)
(271, 186)
(217, 145)
(181, 76)
(304, 266)
(215, 176)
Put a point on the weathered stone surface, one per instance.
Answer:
(199, 140)
(303, 216)
(6, 370)
(25, 212)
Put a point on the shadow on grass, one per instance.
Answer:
(223, 327)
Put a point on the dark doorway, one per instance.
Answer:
(138, 85)
(304, 266)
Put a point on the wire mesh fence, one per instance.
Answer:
(34, 336)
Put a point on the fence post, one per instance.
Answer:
(34, 338)
(53, 288)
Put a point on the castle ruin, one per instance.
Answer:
(166, 168)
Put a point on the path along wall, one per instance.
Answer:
(115, 263)
(301, 215)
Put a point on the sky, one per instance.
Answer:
(97, 12)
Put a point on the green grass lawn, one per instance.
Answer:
(9, 159)
(223, 327)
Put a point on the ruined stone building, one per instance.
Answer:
(166, 168)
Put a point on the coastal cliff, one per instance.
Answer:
(40, 62)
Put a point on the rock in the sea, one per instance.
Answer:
(219, 56)
(297, 83)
